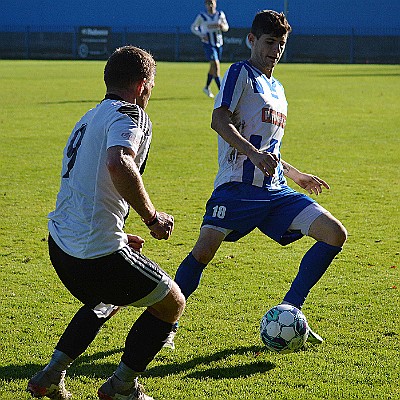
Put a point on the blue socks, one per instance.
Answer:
(313, 265)
(216, 78)
(188, 275)
(209, 79)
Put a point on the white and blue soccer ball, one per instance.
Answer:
(284, 329)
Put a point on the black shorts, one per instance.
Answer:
(123, 278)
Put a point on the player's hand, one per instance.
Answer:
(265, 161)
(311, 183)
(135, 242)
(163, 226)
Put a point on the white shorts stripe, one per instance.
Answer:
(306, 217)
(139, 262)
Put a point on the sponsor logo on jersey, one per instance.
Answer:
(273, 117)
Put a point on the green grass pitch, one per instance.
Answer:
(343, 125)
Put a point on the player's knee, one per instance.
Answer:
(180, 301)
(177, 303)
(343, 234)
(338, 235)
(326, 228)
(171, 307)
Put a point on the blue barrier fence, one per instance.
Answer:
(306, 44)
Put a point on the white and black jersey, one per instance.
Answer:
(89, 216)
(209, 27)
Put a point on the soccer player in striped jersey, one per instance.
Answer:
(209, 26)
(250, 187)
(96, 260)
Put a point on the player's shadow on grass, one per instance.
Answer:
(238, 371)
(84, 366)
(207, 371)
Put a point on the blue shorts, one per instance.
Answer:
(243, 207)
(212, 52)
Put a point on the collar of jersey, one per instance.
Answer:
(111, 96)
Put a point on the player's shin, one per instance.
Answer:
(80, 332)
(189, 274)
(145, 339)
(313, 265)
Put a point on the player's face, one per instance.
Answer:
(266, 51)
(211, 6)
(144, 98)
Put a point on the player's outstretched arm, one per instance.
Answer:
(311, 183)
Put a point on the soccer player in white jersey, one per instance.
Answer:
(250, 187)
(96, 260)
(209, 26)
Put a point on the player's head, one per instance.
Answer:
(270, 22)
(127, 67)
(211, 5)
(267, 39)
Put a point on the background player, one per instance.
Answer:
(98, 263)
(250, 189)
(209, 27)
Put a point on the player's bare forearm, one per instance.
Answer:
(223, 25)
(222, 124)
(128, 181)
(311, 183)
(290, 171)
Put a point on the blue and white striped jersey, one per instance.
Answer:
(207, 27)
(259, 110)
(90, 213)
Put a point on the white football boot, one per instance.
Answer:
(208, 92)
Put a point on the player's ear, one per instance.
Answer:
(250, 39)
(139, 87)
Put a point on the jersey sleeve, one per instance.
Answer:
(196, 26)
(125, 132)
(232, 87)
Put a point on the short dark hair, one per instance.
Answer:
(270, 22)
(126, 65)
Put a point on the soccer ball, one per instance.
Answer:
(284, 329)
